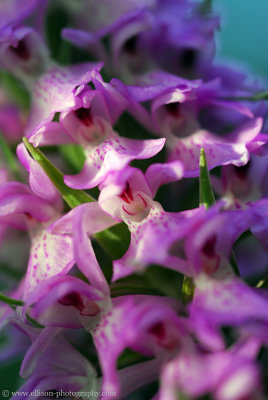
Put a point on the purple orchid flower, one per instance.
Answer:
(224, 300)
(105, 150)
(52, 364)
(56, 91)
(49, 254)
(126, 195)
(66, 301)
(33, 210)
(149, 326)
(23, 53)
(247, 183)
(220, 297)
(228, 375)
(182, 37)
(86, 118)
(175, 107)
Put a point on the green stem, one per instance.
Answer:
(13, 303)
(10, 301)
(263, 283)
(187, 290)
(234, 264)
(255, 97)
(34, 322)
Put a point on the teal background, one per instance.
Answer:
(244, 33)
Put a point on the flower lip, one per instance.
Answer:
(138, 207)
(136, 204)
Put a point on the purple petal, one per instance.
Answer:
(143, 326)
(86, 40)
(151, 240)
(50, 255)
(14, 11)
(111, 155)
(38, 347)
(96, 220)
(160, 174)
(50, 134)
(27, 204)
(40, 184)
(218, 151)
(83, 220)
(227, 301)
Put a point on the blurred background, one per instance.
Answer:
(244, 33)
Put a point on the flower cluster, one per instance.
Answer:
(111, 283)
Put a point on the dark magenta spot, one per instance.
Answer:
(242, 172)
(130, 45)
(158, 330)
(173, 109)
(21, 50)
(84, 115)
(72, 299)
(209, 247)
(188, 58)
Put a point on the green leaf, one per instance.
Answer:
(114, 240)
(15, 90)
(10, 159)
(130, 357)
(71, 196)
(74, 156)
(134, 284)
(206, 196)
(65, 53)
